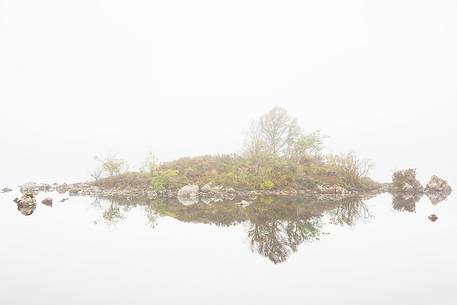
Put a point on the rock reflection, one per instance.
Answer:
(26, 204)
(405, 202)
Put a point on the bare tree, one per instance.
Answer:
(274, 131)
(96, 173)
(112, 165)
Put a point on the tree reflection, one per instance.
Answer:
(277, 239)
(114, 214)
(350, 212)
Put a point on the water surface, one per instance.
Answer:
(274, 251)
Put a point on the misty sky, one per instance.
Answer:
(84, 78)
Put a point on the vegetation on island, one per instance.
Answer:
(277, 155)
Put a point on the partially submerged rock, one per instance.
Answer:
(26, 204)
(433, 217)
(405, 182)
(188, 191)
(6, 190)
(437, 189)
(47, 201)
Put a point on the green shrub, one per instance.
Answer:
(267, 185)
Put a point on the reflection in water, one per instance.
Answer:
(26, 204)
(405, 202)
(350, 212)
(276, 226)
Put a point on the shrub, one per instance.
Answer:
(267, 185)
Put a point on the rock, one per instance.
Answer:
(35, 187)
(243, 203)
(188, 191)
(438, 185)
(437, 190)
(47, 201)
(433, 218)
(63, 199)
(405, 182)
(62, 188)
(74, 191)
(332, 189)
(6, 190)
(207, 188)
(151, 195)
(26, 204)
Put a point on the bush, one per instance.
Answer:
(167, 180)
(267, 185)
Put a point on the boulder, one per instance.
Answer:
(438, 185)
(26, 204)
(188, 191)
(437, 190)
(405, 182)
(47, 201)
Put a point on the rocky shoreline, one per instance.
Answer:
(404, 188)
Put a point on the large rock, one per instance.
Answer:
(405, 182)
(47, 201)
(437, 190)
(438, 185)
(188, 191)
(26, 204)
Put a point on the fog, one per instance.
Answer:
(184, 78)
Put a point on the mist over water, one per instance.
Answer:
(185, 78)
(137, 76)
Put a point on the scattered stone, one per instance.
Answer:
(433, 218)
(74, 192)
(405, 182)
(62, 188)
(47, 201)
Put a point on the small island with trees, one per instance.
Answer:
(278, 159)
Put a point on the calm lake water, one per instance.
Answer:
(274, 251)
